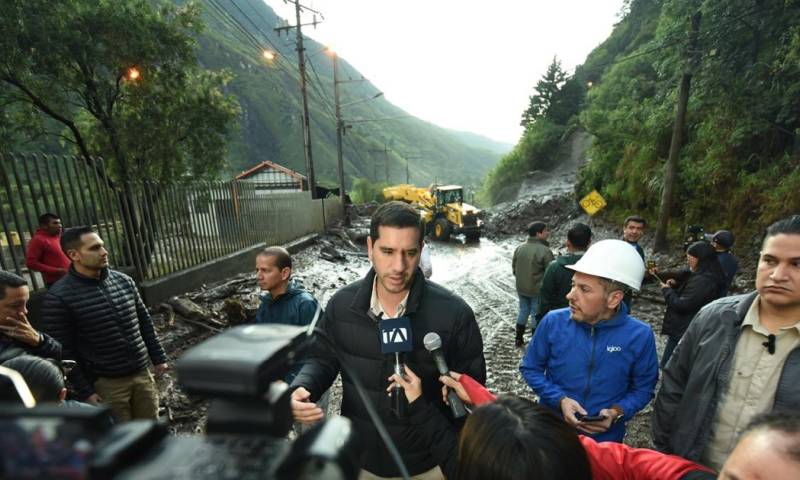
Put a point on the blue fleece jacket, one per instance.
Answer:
(612, 363)
(295, 307)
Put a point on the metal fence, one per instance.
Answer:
(150, 229)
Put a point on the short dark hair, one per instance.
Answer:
(71, 238)
(579, 236)
(635, 219)
(43, 376)
(535, 228)
(282, 257)
(788, 226)
(515, 438)
(10, 280)
(398, 215)
(782, 421)
(45, 218)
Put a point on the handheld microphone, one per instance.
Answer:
(433, 344)
(395, 339)
(770, 344)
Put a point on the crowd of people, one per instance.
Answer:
(728, 405)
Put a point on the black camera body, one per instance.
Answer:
(240, 371)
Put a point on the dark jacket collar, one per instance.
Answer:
(83, 278)
(363, 296)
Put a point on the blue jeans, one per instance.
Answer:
(527, 308)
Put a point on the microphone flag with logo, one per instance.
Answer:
(395, 335)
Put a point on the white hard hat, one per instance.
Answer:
(612, 259)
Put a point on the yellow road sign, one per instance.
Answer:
(593, 202)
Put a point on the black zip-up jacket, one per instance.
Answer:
(355, 338)
(10, 348)
(683, 303)
(699, 372)
(103, 325)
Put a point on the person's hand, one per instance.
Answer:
(160, 369)
(671, 283)
(303, 410)
(94, 399)
(452, 383)
(412, 385)
(568, 409)
(601, 425)
(20, 329)
(61, 271)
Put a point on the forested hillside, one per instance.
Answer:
(205, 102)
(739, 166)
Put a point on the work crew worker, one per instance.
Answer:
(528, 264)
(394, 287)
(593, 358)
(99, 318)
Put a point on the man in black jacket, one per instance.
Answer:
(739, 357)
(17, 336)
(99, 318)
(394, 287)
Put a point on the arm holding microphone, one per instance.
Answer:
(433, 428)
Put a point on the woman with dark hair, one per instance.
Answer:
(691, 290)
(523, 441)
(512, 438)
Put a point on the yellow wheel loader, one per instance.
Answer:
(442, 208)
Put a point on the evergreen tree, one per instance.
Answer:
(546, 90)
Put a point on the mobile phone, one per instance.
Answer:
(589, 418)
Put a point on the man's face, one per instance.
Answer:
(395, 256)
(92, 253)
(268, 275)
(15, 303)
(588, 301)
(778, 273)
(692, 261)
(53, 226)
(544, 234)
(761, 455)
(633, 231)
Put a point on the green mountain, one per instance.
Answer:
(382, 142)
(738, 166)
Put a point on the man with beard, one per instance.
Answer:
(99, 318)
(394, 287)
(592, 362)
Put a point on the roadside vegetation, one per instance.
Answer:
(739, 166)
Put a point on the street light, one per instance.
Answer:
(133, 74)
(268, 55)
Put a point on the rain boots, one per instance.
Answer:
(520, 342)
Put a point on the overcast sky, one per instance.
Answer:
(463, 64)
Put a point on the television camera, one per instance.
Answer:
(249, 416)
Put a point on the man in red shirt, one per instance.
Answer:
(44, 250)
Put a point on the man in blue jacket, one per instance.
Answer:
(592, 359)
(283, 300)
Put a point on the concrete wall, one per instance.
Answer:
(292, 220)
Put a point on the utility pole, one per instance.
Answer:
(339, 133)
(671, 168)
(407, 158)
(385, 152)
(301, 59)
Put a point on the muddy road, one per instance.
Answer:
(478, 272)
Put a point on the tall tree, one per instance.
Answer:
(546, 90)
(122, 79)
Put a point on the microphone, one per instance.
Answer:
(770, 344)
(433, 344)
(395, 337)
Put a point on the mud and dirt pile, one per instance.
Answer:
(184, 321)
